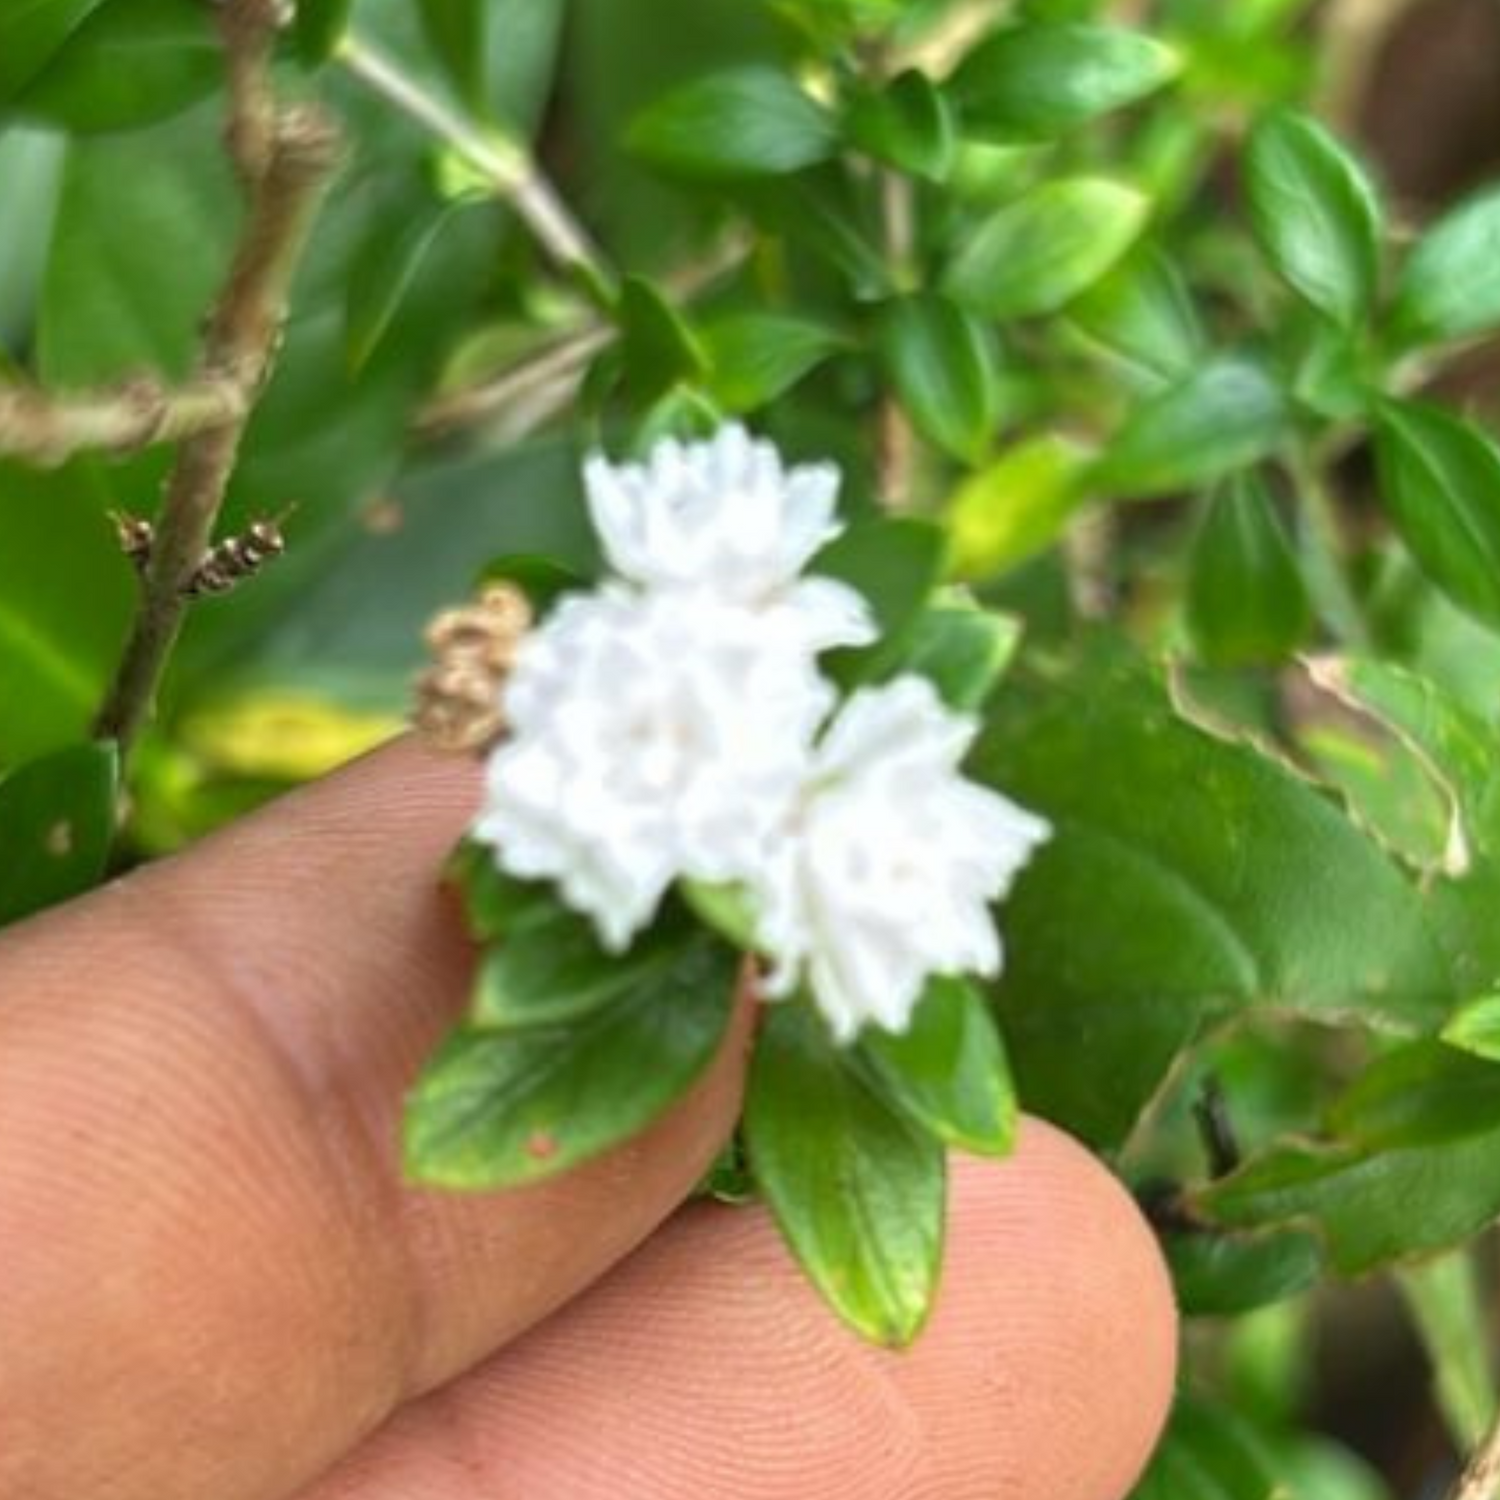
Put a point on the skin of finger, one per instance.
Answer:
(704, 1367)
(212, 1279)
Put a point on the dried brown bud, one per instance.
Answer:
(458, 697)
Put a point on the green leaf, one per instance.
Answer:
(1475, 1028)
(494, 902)
(907, 124)
(749, 122)
(1220, 1275)
(1246, 600)
(941, 360)
(948, 1071)
(127, 65)
(498, 1108)
(1450, 286)
(57, 819)
(1209, 1453)
(961, 648)
(823, 211)
(755, 357)
(1454, 745)
(548, 967)
(66, 597)
(1018, 506)
(543, 580)
(1043, 79)
(658, 348)
(1038, 253)
(857, 1191)
(1315, 213)
(1446, 1302)
(1412, 1165)
(318, 27)
(1188, 878)
(1143, 313)
(383, 274)
(727, 909)
(1440, 480)
(1219, 418)
(895, 563)
(456, 31)
(31, 33)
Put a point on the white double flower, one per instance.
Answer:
(673, 723)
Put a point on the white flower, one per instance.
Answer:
(889, 862)
(652, 736)
(726, 518)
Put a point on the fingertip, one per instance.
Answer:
(1048, 1367)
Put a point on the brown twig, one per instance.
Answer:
(48, 430)
(285, 160)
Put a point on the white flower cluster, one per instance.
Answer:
(673, 723)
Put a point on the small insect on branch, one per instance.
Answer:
(222, 565)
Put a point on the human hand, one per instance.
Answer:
(214, 1285)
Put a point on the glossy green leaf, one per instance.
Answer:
(1196, 879)
(318, 26)
(907, 124)
(1042, 79)
(961, 648)
(31, 33)
(948, 1070)
(57, 820)
(1038, 253)
(657, 347)
(1220, 1275)
(498, 1108)
(1412, 1164)
(1475, 1028)
(1209, 1452)
(1446, 1300)
(1440, 481)
(1018, 506)
(548, 967)
(1315, 213)
(750, 122)
(455, 30)
(856, 1189)
(1215, 420)
(755, 357)
(823, 211)
(543, 580)
(942, 362)
(1246, 599)
(1143, 314)
(128, 65)
(1450, 285)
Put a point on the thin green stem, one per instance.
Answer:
(503, 161)
(1325, 556)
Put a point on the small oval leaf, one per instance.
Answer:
(856, 1189)
(1045, 78)
(749, 122)
(1450, 286)
(1041, 251)
(1440, 480)
(1315, 213)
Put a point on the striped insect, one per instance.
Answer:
(221, 567)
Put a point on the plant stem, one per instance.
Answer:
(1323, 546)
(285, 170)
(1443, 1301)
(502, 160)
(48, 430)
(1480, 1479)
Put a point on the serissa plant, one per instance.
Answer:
(712, 730)
(1128, 368)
